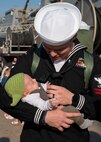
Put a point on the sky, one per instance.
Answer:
(5, 5)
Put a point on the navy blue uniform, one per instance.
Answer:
(71, 76)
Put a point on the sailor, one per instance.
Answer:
(62, 64)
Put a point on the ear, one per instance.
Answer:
(26, 92)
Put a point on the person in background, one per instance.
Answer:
(5, 74)
(62, 64)
(1, 65)
(0, 70)
(14, 62)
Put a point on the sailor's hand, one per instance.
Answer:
(63, 95)
(59, 119)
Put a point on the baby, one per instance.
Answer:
(22, 87)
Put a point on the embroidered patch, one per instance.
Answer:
(97, 85)
(97, 91)
(81, 63)
(98, 79)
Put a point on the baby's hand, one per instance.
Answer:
(54, 103)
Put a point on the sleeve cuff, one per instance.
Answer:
(38, 116)
(78, 101)
(75, 100)
(42, 119)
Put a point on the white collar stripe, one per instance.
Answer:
(75, 49)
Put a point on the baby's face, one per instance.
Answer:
(30, 84)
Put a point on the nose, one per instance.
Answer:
(52, 53)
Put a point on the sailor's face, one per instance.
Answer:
(57, 53)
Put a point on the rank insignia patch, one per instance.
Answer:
(97, 89)
(81, 63)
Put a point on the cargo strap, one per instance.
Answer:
(88, 58)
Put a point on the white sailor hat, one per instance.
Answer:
(57, 23)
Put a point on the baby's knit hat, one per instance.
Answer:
(15, 87)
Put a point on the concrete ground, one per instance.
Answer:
(11, 133)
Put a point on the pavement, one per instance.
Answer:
(11, 133)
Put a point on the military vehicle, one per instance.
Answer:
(16, 30)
